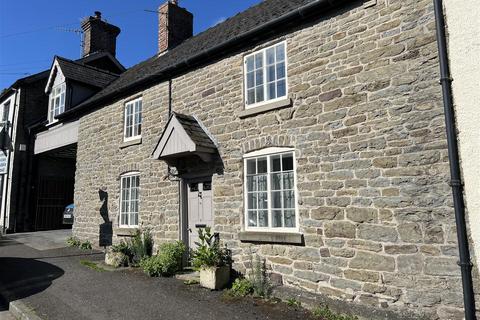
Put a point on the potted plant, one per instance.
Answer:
(213, 262)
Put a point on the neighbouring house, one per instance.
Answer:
(37, 164)
(309, 133)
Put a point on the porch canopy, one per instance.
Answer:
(184, 136)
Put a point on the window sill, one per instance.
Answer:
(266, 107)
(53, 124)
(125, 232)
(272, 237)
(129, 143)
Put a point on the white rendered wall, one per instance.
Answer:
(462, 18)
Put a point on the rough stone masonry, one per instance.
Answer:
(367, 125)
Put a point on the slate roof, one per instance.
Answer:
(85, 74)
(26, 80)
(43, 75)
(194, 130)
(150, 71)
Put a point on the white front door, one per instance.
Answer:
(199, 208)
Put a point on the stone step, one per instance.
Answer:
(188, 275)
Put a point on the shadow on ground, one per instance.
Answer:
(23, 277)
(6, 242)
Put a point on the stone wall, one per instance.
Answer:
(372, 168)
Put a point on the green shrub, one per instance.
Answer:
(86, 245)
(167, 262)
(259, 277)
(140, 246)
(325, 313)
(208, 252)
(122, 247)
(73, 242)
(241, 287)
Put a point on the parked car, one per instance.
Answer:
(68, 214)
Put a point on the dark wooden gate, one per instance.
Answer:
(53, 195)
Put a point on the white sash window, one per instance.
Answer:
(129, 199)
(133, 120)
(57, 102)
(266, 75)
(270, 192)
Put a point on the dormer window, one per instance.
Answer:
(57, 102)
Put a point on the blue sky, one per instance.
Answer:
(33, 31)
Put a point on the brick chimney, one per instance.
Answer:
(98, 35)
(175, 25)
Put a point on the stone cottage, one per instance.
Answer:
(310, 133)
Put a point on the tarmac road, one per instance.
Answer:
(55, 285)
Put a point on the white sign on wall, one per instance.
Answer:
(3, 163)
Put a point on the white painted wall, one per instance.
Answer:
(57, 137)
(14, 99)
(462, 18)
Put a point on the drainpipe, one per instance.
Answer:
(456, 180)
(169, 98)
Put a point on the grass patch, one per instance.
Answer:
(294, 303)
(73, 242)
(92, 265)
(86, 245)
(191, 282)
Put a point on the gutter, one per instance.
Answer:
(456, 179)
(273, 27)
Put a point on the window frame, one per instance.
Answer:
(128, 175)
(268, 153)
(6, 106)
(265, 84)
(132, 102)
(52, 97)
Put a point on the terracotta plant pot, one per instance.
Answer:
(214, 278)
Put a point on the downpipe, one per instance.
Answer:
(456, 180)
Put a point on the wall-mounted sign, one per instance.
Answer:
(3, 162)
